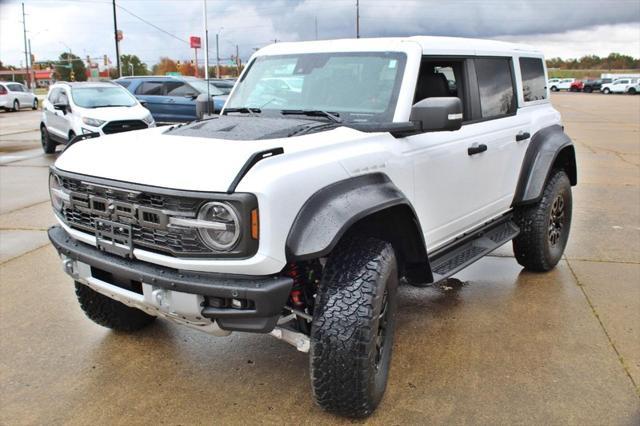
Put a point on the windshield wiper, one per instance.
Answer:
(333, 116)
(246, 110)
(109, 106)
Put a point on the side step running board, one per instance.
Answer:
(448, 260)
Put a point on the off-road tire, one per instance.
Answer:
(350, 355)
(48, 146)
(540, 244)
(110, 313)
(16, 106)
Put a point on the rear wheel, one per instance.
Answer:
(110, 313)
(35, 104)
(544, 226)
(632, 91)
(606, 91)
(353, 327)
(48, 146)
(16, 106)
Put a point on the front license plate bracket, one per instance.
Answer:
(114, 238)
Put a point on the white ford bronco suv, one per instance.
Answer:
(336, 170)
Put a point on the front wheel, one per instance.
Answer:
(544, 226)
(48, 146)
(554, 89)
(588, 89)
(353, 326)
(16, 106)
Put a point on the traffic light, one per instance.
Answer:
(72, 76)
(106, 61)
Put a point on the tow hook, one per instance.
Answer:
(69, 266)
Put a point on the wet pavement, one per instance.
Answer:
(496, 345)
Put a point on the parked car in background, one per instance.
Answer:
(72, 109)
(15, 96)
(620, 85)
(172, 99)
(576, 86)
(557, 84)
(593, 85)
(224, 86)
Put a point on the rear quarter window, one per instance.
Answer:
(150, 88)
(534, 86)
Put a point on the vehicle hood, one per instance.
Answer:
(188, 158)
(136, 112)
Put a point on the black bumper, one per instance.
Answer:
(266, 296)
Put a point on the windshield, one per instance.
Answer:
(358, 86)
(201, 87)
(102, 96)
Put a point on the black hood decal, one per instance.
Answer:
(249, 128)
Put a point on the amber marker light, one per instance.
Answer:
(255, 224)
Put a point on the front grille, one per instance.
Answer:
(123, 126)
(146, 213)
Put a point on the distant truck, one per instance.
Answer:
(593, 85)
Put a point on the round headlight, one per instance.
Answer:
(55, 192)
(224, 230)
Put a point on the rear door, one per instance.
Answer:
(180, 101)
(152, 92)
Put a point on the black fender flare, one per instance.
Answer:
(547, 148)
(331, 211)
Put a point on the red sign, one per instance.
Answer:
(195, 42)
(119, 35)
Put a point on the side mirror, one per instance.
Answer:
(437, 114)
(143, 103)
(61, 107)
(191, 96)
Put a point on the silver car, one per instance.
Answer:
(14, 96)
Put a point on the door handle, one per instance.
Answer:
(522, 136)
(476, 149)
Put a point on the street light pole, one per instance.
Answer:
(115, 35)
(217, 56)
(357, 18)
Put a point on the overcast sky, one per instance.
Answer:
(566, 28)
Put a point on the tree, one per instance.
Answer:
(139, 67)
(164, 66)
(187, 68)
(63, 70)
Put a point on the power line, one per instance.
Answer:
(152, 25)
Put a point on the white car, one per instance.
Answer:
(297, 212)
(621, 85)
(92, 109)
(15, 96)
(557, 84)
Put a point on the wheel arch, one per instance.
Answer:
(550, 148)
(368, 204)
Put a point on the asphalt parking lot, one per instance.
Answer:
(497, 345)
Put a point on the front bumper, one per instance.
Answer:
(209, 298)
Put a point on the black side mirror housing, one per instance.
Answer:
(143, 103)
(437, 114)
(61, 107)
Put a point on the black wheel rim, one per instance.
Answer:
(381, 335)
(556, 220)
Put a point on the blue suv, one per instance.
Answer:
(171, 98)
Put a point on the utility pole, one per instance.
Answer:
(115, 35)
(316, 22)
(206, 55)
(26, 51)
(357, 18)
(217, 56)
(238, 61)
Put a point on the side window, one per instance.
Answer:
(63, 98)
(124, 83)
(533, 83)
(178, 88)
(495, 85)
(15, 87)
(150, 88)
(54, 95)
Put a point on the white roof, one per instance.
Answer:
(431, 45)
